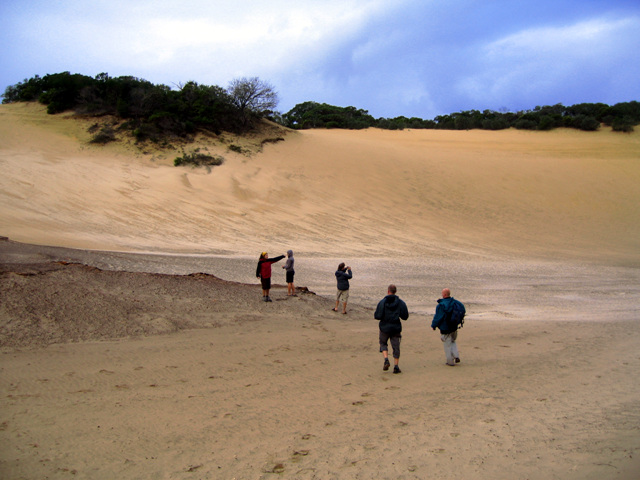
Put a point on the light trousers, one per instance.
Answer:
(450, 347)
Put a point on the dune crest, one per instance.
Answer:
(563, 193)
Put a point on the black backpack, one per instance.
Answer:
(455, 317)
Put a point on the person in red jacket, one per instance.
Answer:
(263, 272)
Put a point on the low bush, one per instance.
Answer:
(624, 124)
(272, 140)
(198, 159)
(105, 135)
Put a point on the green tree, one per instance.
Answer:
(624, 124)
(322, 115)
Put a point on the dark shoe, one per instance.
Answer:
(269, 299)
(396, 369)
(386, 365)
(334, 309)
(450, 364)
(457, 360)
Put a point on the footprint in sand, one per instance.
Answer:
(277, 468)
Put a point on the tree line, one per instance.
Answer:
(152, 112)
(585, 116)
(156, 111)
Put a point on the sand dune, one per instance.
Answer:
(119, 364)
(563, 194)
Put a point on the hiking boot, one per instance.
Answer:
(396, 369)
(386, 365)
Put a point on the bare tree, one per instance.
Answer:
(253, 97)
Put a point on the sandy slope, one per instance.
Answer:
(373, 193)
(125, 371)
(188, 377)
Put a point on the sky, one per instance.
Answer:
(417, 58)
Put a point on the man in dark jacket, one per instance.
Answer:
(389, 311)
(343, 274)
(448, 333)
